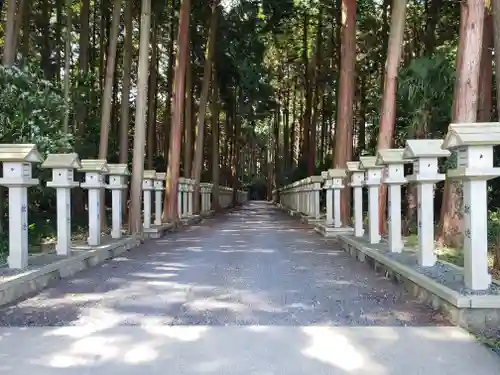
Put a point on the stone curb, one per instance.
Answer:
(39, 277)
(431, 285)
(473, 312)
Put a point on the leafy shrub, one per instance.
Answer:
(31, 111)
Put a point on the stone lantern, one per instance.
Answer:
(357, 183)
(17, 163)
(373, 175)
(148, 178)
(329, 201)
(181, 199)
(190, 196)
(425, 154)
(334, 186)
(118, 174)
(205, 190)
(63, 166)
(394, 176)
(313, 201)
(159, 188)
(94, 181)
(474, 145)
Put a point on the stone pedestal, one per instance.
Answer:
(474, 145)
(94, 182)
(393, 177)
(63, 166)
(117, 184)
(425, 153)
(147, 187)
(373, 175)
(17, 163)
(158, 186)
(357, 183)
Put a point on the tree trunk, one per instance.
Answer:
(343, 125)
(486, 71)
(465, 110)
(176, 128)
(215, 143)
(188, 121)
(286, 129)
(235, 160)
(276, 141)
(306, 117)
(362, 117)
(127, 66)
(432, 14)
(58, 36)
(205, 91)
(25, 44)
(168, 91)
(67, 62)
(83, 62)
(315, 96)
(140, 121)
(9, 53)
(22, 8)
(294, 140)
(496, 40)
(151, 127)
(108, 89)
(108, 96)
(388, 112)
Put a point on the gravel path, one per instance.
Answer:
(253, 266)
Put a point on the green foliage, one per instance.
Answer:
(86, 99)
(425, 97)
(31, 111)
(494, 227)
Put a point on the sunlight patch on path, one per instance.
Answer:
(270, 350)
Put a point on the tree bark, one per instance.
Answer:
(215, 143)
(388, 111)
(486, 72)
(168, 90)
(108, 96)
(67, 65)
(108, 86)
(316, 94)
(140, 121)
(188, 121)
(9, 52)
(306, 115)
(432, 14)
(344, 124)
(25, 44)
(205, 91)
(127, 66)
(153, 73)
(496, 40)
(83, 63)
(465, 110)
(286, 128)
(176, 128)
